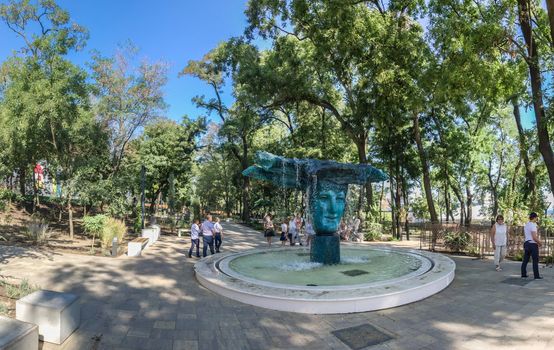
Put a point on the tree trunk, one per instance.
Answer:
(22, 181)
(530, 175)
(469, 203)
(458, 194)
(361, 145)
(70, 215)
(536, 88)
(425, 168)
(245, 199)
(397, 201)
(446, 202)
(392, 202)
(550, 9)
(406, 206)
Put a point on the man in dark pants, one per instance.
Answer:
(531, 246)
(208, 233)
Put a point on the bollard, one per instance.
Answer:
(114, 247)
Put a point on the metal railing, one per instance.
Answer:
(432, 237)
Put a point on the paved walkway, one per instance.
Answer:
(154, 302)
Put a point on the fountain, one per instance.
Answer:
(326, 185)
(320, 281)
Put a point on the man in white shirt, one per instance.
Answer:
(531, 246)
(218, 229)
(194, 238)
(208, 234)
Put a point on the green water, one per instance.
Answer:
(294, 267)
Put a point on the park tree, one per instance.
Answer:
(128, 96)
(166, 149)
(233, 60)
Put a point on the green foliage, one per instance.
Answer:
(518, 256)
(94, 225)
(3, 310)
(137, 223)
(457, 241)
(6, 196)
(374, 232)
(18, 291)
(113, 228)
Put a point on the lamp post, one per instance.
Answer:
(142, 186)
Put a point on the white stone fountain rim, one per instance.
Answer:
(317, 300)
(223, 266)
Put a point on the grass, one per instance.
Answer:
(3, 310)
(18, 291)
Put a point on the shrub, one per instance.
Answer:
(518, 256)
(37, 230)
(6, 197)
(94, 226)
(137, 224)
(374, 232)
(112, 228)
(3, 310)
(549, 260)
(457, 242)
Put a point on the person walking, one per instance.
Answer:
(283, 238)
(218, 229)
(531, 246)
(208, 234)
(499, 239)
(194, 238)
(292, 231)
(269, 231)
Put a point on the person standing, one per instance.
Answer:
(194, 238)
(298, 222)
(531, 246)
(283, 238)
(269, 231)
(310, 233)
(292, 231)
(218, 229)
(499, 239)
(208, 234)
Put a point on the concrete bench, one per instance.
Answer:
(135, 247)
(56, 314)
(17, 335)
(152, 233)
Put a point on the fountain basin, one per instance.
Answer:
(368, 290)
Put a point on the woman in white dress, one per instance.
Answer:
(499, 239)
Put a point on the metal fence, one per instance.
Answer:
(432, 237)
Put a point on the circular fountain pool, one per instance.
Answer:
(366, 279)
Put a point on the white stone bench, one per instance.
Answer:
(135, 247)
(56, 314)
(17, 335)
(152, 233)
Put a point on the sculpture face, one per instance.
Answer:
(327, 206)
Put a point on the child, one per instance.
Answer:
(283, 238)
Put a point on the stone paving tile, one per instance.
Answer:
(185, 345)
(164, 325)
(132, 303)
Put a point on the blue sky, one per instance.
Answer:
(170, 30)
(174, 31)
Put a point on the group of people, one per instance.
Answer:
(531, 245)
(291, 230)
(350, 231)
(212, 234)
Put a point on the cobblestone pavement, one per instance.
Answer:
(154, 302)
